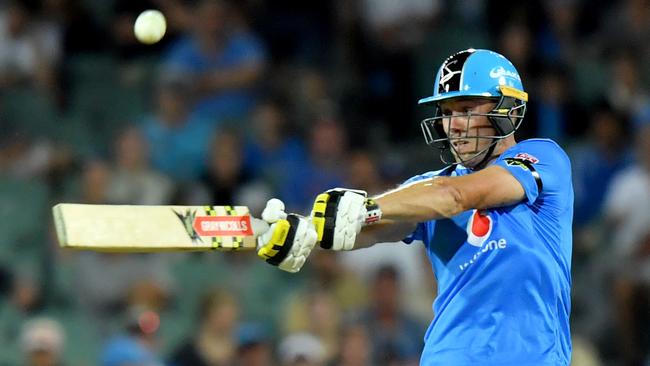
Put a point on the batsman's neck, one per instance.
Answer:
(501, 147)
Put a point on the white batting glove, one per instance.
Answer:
(289, 240)
(339, 214)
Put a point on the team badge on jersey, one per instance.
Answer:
(479, 228)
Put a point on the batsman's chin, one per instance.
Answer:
(469, 159)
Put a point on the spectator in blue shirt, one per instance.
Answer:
(178, 140)
(224, 60)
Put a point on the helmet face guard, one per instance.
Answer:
(471, 74)
(505, 118)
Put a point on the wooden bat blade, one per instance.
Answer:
(132, 228)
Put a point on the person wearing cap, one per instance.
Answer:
(42, 341)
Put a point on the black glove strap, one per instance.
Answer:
(288, 242)
(330, 219)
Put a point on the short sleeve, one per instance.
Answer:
(540, 166)
(417, 234)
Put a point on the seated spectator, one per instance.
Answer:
(627, 92)
(596, 161)
(133, 181)
(271, 149)
(137, 345)
(24, 299)
(214, 342)
(301, 349)
(355, 347)
(395, 335)
(254, 346)
(324, 168)
(42, 342)
(178, 141)
(627, 209)
(223, 58)
(225, 174)
(29, 50)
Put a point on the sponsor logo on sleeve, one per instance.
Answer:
(527, 157)
(517, 162)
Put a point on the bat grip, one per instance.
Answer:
(259, 226)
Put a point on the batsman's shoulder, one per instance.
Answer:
(541, 150)
(444, 172)
(545, 145)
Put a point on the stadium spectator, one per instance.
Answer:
(390, 32)
(627, 92)
(558, 36)
(555, 115)
(223, 58)
(178, 141)
(254, 347)
(42, 342)
(596, 161)
(627, 23)
(327, 274)
(301, 349)
(136, 346)
(627, 208)
(355, 347)
(315, 311)
(271, 148)
(328, 144)
(29, 50)
(133, 181)
(214, 342)
(24, 300)
(396, 337)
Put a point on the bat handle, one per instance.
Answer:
(259, 226)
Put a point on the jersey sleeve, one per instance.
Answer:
(417, 234)
(540, 166)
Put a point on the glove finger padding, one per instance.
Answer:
(338, 216)
(287, 243)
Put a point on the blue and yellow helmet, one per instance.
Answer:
(476, 73)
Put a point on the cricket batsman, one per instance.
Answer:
(496, 223)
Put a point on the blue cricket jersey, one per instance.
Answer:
(504, 274)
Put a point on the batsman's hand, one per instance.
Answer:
(289, 240)
(339, 214)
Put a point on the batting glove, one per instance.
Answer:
(339, 214)
(289, 240)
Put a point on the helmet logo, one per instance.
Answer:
(498, 72)
(451, 72)
(446, 74)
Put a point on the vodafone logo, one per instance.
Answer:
(479, 228)
(223, 226)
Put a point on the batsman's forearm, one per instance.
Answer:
(385, 231)
(426, 200)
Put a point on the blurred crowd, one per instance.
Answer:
(247, 100)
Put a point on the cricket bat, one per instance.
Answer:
(133, 228)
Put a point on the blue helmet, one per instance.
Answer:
(476, 73)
